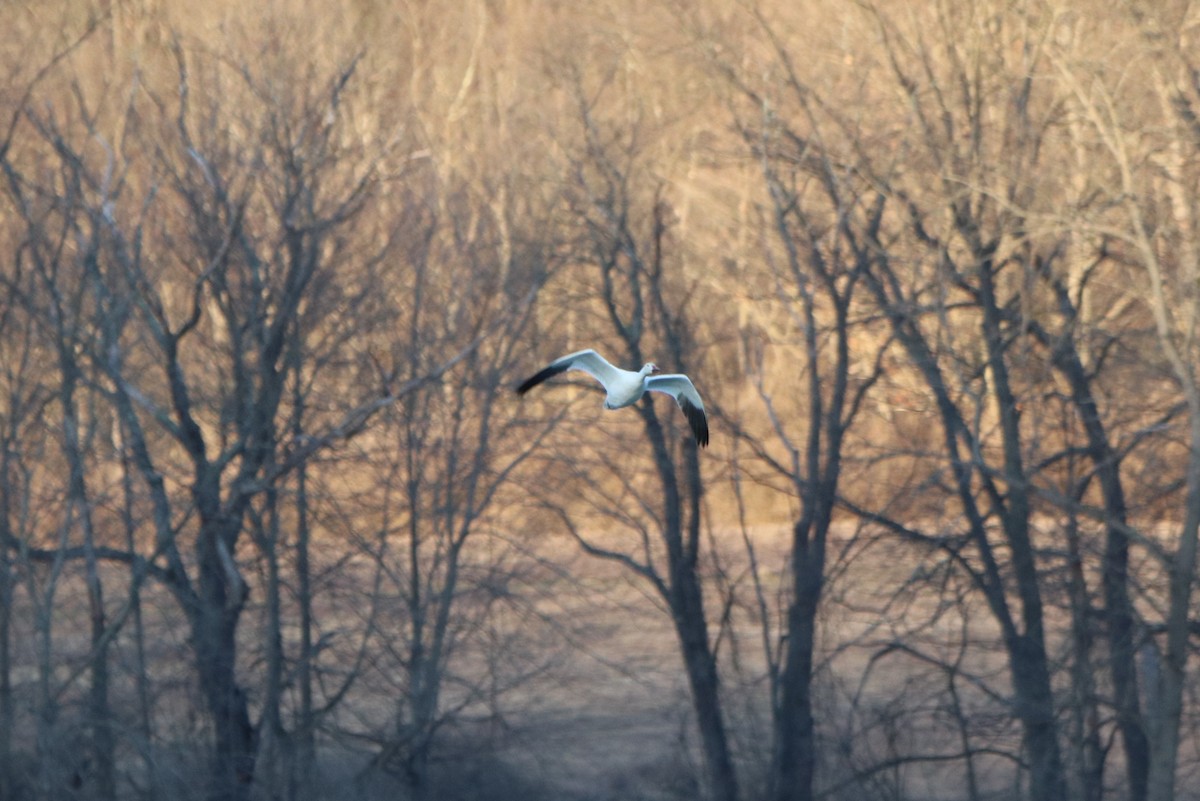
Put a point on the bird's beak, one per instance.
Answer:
(655, 369)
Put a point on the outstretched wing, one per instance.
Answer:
(680, 387)
(588, 361)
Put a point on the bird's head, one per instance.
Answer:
(650, 368)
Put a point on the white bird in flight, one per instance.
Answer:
(626, 387)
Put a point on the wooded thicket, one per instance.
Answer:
(273, 523)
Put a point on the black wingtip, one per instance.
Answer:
(539, 377)
(698, 421)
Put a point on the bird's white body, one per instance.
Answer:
(626, 387)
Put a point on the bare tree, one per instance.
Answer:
(822, 222)
(57, 303)
(446, 457)
(259, 315)
(260, 232)
(25, 397)
(189, 328)
(624, 239)
(951, 317)
(1154, 195)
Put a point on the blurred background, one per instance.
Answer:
(274, 525)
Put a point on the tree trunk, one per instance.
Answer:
(102, 749)
(99, 709)
(1122, 651)
(1118, 609)
(145, 711)
(415, 734)
(305, 750)
(1035, 710)
(687, 608)
(686, 597)
(795, 759)
(1165, 724)
(6, 694)
(235, 739)
(1085, 725)
(1027, 650)
(50, 745)
(274, 758)
(214, 634)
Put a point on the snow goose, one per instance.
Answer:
(626, 387)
